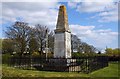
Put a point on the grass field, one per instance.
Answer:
(110, 71)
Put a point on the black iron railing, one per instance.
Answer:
(82, 64)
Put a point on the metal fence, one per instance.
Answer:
(82, 64)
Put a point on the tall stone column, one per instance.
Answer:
(62, 46)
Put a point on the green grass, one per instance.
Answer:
(111, 71)
(13, 72)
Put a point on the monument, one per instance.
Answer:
(62, 60)
(62, 46)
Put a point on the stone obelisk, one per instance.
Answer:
(62, 43)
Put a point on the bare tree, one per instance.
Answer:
(75, 43)
(80, 46)
(19, 33)
(51, 41)
(41, 32)
(33, 44)
(86, 48)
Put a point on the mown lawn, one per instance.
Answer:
(110, 71)
(14, 72)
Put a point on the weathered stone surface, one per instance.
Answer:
(62, 46)
(59, 46)
(62, 22)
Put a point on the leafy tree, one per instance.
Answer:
(116, 51)
(7, 46)
(112, 52)
(109, 51)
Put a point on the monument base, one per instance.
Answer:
(60, 65)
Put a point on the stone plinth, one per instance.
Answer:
(62, 65)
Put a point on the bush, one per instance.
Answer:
(5, 58)
(35, 54)
(77, 55)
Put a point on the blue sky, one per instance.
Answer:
(92, 21)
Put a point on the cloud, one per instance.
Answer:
(72, 4)
(108, 16)
(98, 38)
(0, 13)
(44, 13)
(99, 7)
(28, 1)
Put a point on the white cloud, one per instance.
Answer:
(77, 28)
(108, 16)
(108, 9)
(72, 4)
(28, 1)
(0, 13)
(99, 38)
(44, 13)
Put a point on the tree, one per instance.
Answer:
(75, 43)
(33, 44)
(7, 46)
(86, 48)
(109, 51)
(92, 49)
(116, 52)
(19, 33)
(112, 52)
(41, 32)
(99, 52)
(51, 41)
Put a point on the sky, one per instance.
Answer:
(93, 21)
